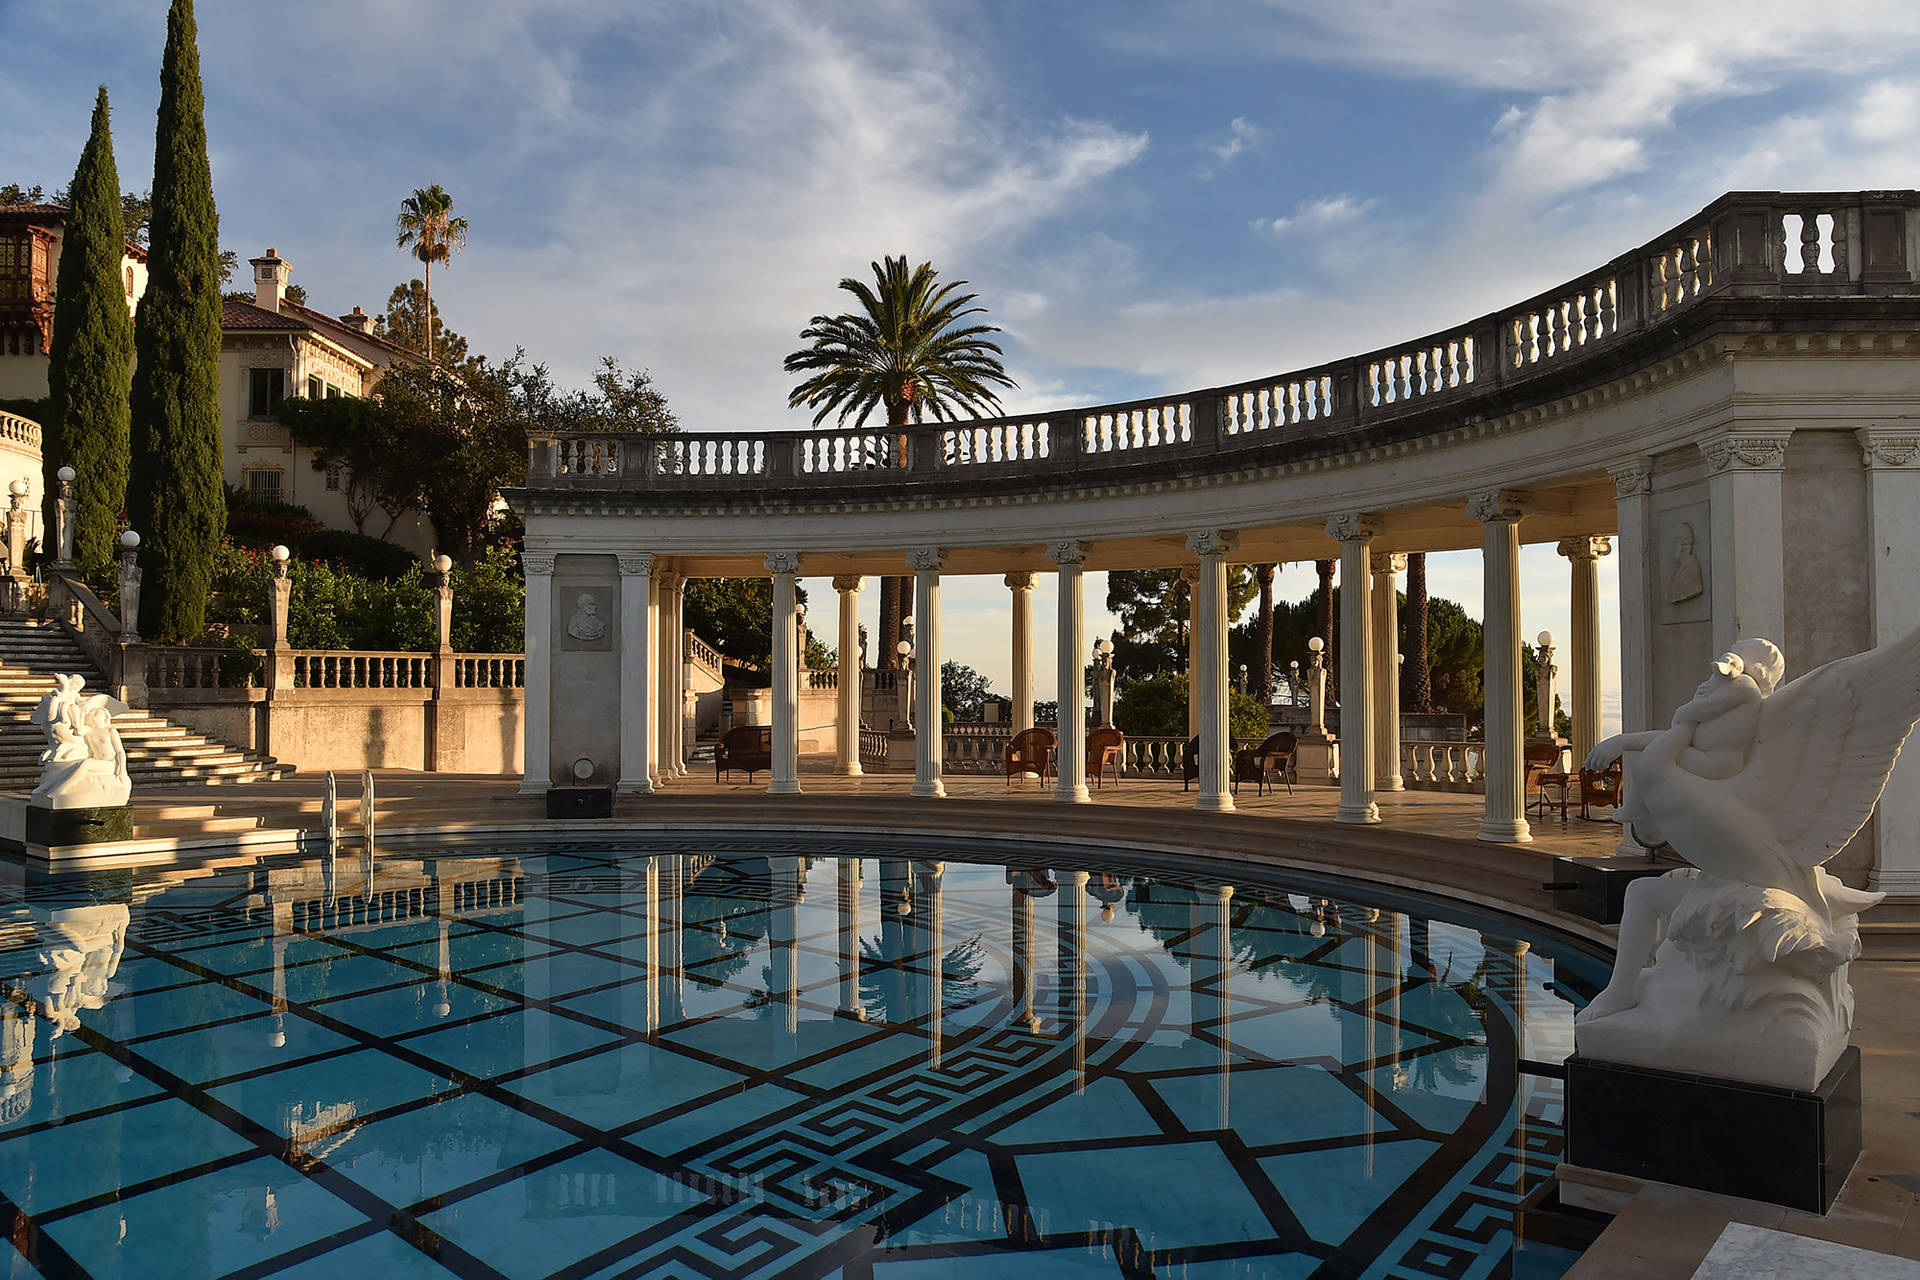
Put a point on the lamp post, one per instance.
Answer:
(1317, 685)
(905, 650)
(130, 587)
(1543, 674)
(63, 512)
(1103, 681)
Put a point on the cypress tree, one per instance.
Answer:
(91, 360)
(175, 494)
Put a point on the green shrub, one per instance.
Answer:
(1157, 707)
(368, 556)
(490, 604)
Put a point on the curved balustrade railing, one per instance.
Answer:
(1444, 766)
(1744, 245)
(15, 429)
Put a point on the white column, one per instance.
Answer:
(1749, 537)
(1583, 644)
(1021, 584)
(1354, 532)
(536, 769)
(673, 648)
(1385, 692)
(929, 740)
(659, 627)
(1500, 511)
(785, 567)
(1892, 458)
(636, 674)
(1632, 489)
(847, 763)
(1070, 755)
(1190, 575)
(1207, 673)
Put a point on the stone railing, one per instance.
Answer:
(982, 748)
(489, 671)
(188, 667)
(1744, 246)
(826, 678)
(324, 669)
(873, 748)
(16, 430)
(704, 656)
(1444, 766)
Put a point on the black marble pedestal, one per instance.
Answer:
(580, 802)
(1748, 1140)
(52, 828)
(1597, 887)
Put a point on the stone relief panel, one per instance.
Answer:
(586, 639)
(1682, 571)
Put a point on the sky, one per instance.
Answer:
(1147, 197)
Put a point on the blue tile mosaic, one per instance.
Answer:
(767, 1057)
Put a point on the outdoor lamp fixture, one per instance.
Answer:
(279, 553)
(444, 563)
(1105, 645)
(1314, 645)
(129, 539)
(905, 650)
(18, 488)
(66, 475)
(1546, 639)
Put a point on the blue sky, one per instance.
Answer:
(1147, 196)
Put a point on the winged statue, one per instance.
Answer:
(85, 764)
(1736, 966)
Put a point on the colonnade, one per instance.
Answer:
(652, 669)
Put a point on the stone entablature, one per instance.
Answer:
(1748, 263)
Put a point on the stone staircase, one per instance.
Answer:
(159, 752)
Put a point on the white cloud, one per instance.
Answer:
(1242, 137)
(1326, 213)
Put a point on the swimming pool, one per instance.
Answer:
(754, 1057)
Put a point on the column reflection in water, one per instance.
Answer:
(782, 935)
(1517, 997)
(849, 891)
(1394, 957)
(896, 908)
(670, 1003)
(1070, 969)
(640, 999)
(1209, 991)
(930, 908)
(1024, 887)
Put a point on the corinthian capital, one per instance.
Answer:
(779, 562)
(1068, 552)
(848, 582)
(923, 559)
(1021, 581)
(1211, 542)
(1632, 477)
(1500, 504)
(1746, 451)
(1585, 548)
(537, 563)
(1353, 526)
(636, 565)
(1881, 448)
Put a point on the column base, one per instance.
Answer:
(784, 787)
(848, 771)
(1077, 794)
(1359, 813)
(1213, 804)
(533, 786)
(933, 790)
(1504, 831)
(644, 787)
(1392, 782)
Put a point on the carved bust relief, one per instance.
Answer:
(1684, 581)
(586, 622)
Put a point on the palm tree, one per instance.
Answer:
(426, 227)
(1325, 621)
(910, 349)
(1416, 689)
(1263, 686)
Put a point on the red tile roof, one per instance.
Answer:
(244, 315)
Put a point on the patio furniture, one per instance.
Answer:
(1602, 787)
(745, 746)
(1031, 751)
(1260, 765)
(1555, 792)
(1105, 746)
(1190, 761)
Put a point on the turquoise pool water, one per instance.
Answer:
(768, 1058)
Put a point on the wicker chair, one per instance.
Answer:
(1260, 765)
(1190, 761)
(1602, 787)
(745, 746)
(1031, 751)
(1105, 746)
(1541, 764)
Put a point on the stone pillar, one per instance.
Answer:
(1500, 511)
(1103, 684)
(1354, 532)
(1892, 459)
(1190, 575)
(18, 516)
(1070, 756)
(1544, 672)
(1749, 537)
(673, 650)
(929, 742)
(130, 587)
(536, 768)
(1021, 584)
(64, 511)
(785, 568)
(1385, 693)
(1207, 673)
(637, 695)
(1583, 645)
(279, 673)
(847, 729)
(1632, 490)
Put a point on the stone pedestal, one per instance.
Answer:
(1597, 887)
(1780, 1146)
(52, 828)
(1315, 758)
(580, 802)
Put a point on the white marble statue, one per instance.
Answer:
(85, 763)
(1737, 967)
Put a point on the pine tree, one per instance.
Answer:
(176, 498)
(91, 360)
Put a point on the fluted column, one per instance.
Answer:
(785, 568)
(1583, 644)
(536, 730)
(1190, 574)
(929, 729)
(1354, 532)
(673, 647)
(1021, 584)
(1891, 455)
(636, 674)
(1207, 678)
(847, 765)
(1500, 511)
(1070, 756)
(1386, 670)
(660, 626)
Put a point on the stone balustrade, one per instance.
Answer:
(23, 432)
(1444, 766)
(1744, 245)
